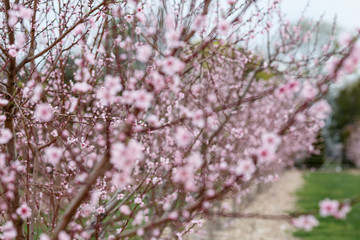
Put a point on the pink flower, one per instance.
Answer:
(4, 102)
(328, 207)
(20, 40)
(81, 87)
(306, 222)
(2, 119)
(321, 109)
(245, 168)
(12, 51)
(198, 119)
(212, 122)
(129, 18)
(124, 209)
(345, 39)
(157, 80)
(143, 53)
(118, 153)
(287, 89)
(78, 29)
(25, 13)
(183, 174)
(199, 22)
(173, 39)
(117, 11)
(195, 160)
(44, 236)
(309, 91)
(223, 27)
(271, 140)
(43, 112)
(173, 215)
(134, 150)
(137, 200)
(124, 157)
(141, 17)
(265, 154)
(12, 20)
(292, 86)
(343, 211)
(170, 21)
(153, 120)
(64, 236)
(105, 96)
(8, 231)
(36, 93)
(113, 84)
(231, 2)
(100, 210)
(281, 91)
(331, 66)
(142, 99)
(81, 74)
(351, 63)
(90, 57)
(24, 211)
(120, 180)
(182, 137)
(5, 135)
(172, 65)
(53, 155)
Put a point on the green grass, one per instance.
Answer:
(319, 186)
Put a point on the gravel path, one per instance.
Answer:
(277, 199)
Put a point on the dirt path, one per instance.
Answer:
(279, 198)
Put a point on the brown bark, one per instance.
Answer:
(9, 123)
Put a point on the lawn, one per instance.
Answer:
(319, 186)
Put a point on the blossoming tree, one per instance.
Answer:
(169, 109)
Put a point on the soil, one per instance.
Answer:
(278, 198)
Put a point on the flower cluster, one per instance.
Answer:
(124, 158)
(333, 208)
(306, 222)
(120, 119)
(328, 207)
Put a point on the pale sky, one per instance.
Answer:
(347, 11)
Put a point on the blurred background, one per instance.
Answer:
(332, 172)
(339, 141)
